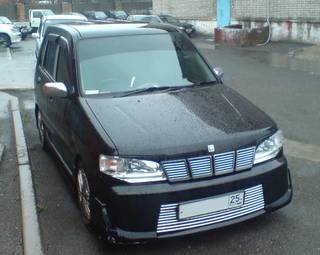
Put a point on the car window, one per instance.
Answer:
(147, 19)
(5, 20)
(62, 74)
(155, 20)
(37, 14)
(140, 61)
(49, 57)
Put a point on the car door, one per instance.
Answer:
(45, 74)
(61, 107)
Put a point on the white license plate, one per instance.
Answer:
(211, 205)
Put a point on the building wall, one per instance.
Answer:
(186, 9)
(299, 10)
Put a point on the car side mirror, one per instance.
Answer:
(55, 90)
(218, 71)
(35, 35)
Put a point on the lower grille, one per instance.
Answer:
(168, 221)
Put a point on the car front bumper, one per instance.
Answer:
(15, 37)
(149, 211)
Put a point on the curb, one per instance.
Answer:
(31, 231)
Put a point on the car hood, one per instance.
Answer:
(166, 125)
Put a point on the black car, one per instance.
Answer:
(156, 145)
(119, 15)
(188, 28)
(97, 15)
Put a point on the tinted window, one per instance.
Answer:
(147, 19)
(140, 61)
(49, 58)
(62, 68)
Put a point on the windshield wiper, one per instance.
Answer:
(150, 89)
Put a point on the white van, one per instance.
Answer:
(35, 16)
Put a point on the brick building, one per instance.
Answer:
(293, 20)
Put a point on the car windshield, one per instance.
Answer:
(128, 63)
(48, 13)
(101, 15)
(120, 13)
(5, 20)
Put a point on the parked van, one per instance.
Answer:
(36, 15)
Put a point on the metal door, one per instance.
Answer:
(223, 12)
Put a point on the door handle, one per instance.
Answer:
(50, 99)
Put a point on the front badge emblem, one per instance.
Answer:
(211, 148)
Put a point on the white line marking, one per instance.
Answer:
(9, 55)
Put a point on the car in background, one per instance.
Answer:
(155, 144)
(9, 33)
(122, 15)
(97, 15)
(140, 12)
(187, 28)
(54, 20)
(35, 16)
(136, 17)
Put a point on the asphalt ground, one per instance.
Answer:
(10, 209)
(267, 77)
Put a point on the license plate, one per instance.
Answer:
(211, 205)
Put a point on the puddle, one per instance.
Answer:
(284, 61)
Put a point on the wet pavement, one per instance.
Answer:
(265, 76)
(10, 210)
(17, 65)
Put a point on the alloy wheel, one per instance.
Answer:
(84, 195)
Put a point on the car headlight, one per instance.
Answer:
(131, 170)
(182, 28)
(269, 148)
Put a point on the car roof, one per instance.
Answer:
(65, 17)
(92, 30)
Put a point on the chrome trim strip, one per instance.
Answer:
(168, 219)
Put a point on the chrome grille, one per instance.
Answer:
(168, 221)
(224, 163)
(201, 166)
(245, 158)
(176, 170)
(204, 166)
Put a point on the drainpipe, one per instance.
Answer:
(269, 24)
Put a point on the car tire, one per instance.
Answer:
(84, 196)
(43, 136)
(5, 40)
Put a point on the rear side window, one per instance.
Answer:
(49, 57)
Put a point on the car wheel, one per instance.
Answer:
(42, 132)
(5, 40)
(84, 196)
